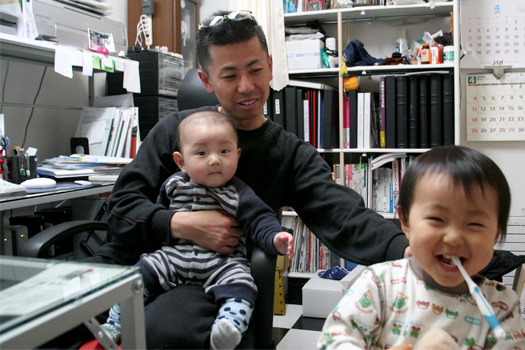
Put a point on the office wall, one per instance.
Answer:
(49, 126)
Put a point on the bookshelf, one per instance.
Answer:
(378, 27)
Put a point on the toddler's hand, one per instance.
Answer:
(283, 242)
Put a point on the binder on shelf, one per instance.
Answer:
(436, 111)
(267, 108)
(423, 112)
(390, 115)
(346, 121)
(352, 102)
(299, 100)
(290, 109)
(330, 119)
(402, 111)
(413, 112)
(448, 109)
(278, 107)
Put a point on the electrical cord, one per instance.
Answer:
(33, 108)
(3, 85)
(143, 30)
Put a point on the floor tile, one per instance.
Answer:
(293, 313)
(299, 339)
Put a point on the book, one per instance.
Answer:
(401, 111)
(290, 109)
(382, 112)
(436, 111)
(368, 120)
(413, 112)
(310, 85)
(96, 124)
(423, 112)
(360, 119)
(267, 108)
(390, 114)
(448, 109)
(135, 133)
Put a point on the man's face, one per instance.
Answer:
(239, 75)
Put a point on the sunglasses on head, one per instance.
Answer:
(232, 16)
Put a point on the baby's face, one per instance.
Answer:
(443, 222)
(210, 154)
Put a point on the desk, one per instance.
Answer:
(68, 294)
(21, 200)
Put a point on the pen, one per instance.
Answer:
(483, 304)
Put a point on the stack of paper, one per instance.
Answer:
(79, 166)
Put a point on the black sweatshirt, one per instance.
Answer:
(280, 168)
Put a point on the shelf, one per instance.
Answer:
(13, 47)
(373, 150)
(371, 13)
(300, 275)
(374, 70)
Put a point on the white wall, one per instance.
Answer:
(208, 7)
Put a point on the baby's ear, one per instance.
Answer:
(404, 221)
(179, 160)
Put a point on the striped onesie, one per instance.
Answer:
(184, 262)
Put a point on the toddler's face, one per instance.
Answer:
(443, 222)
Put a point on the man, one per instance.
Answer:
(280, 168)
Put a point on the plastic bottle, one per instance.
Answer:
(402, 43)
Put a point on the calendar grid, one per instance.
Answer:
(495, 107)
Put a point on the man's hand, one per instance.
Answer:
(211, 229)
(403, 347)
(283, 242)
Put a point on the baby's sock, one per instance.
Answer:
(231, 322)
(112, 326)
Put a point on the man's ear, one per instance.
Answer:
(206, 81)
(238, 152)
(179, 160)
(404, 221)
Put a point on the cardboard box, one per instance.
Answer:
(320, 296)
(304, 54)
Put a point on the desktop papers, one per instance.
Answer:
(79, 165)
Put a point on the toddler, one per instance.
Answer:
(454, 202)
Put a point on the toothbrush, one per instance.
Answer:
(483, 304)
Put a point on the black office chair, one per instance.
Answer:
(192, 94)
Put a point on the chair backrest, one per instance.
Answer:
(193, 94)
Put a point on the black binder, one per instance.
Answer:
(413, 112)
(423, 112)
(402, 111)
(448, 109)
(390, 105)
(436, 110)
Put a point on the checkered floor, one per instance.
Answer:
(293, 331)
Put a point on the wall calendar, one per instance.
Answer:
(496, 107)
(492, 33)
